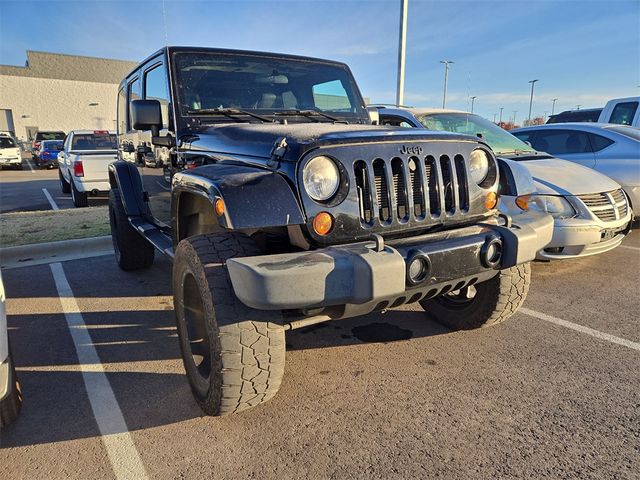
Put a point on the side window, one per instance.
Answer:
(524, 136)
(156, 88)
(134, 94)
(395, 122)
(122, 111)
(558, 142)
(623, 113)
(331, 96)
(598, 142)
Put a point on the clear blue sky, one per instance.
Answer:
(583, 51)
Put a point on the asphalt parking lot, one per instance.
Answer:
(33, 188)
(554, 392)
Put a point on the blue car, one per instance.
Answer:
(47, 154)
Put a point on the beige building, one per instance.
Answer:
(60, 92)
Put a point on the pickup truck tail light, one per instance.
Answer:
(78, 169)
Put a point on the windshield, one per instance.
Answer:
(51, 144)
(90, 141)
(498, 139)
(6, 142)
(630, 132)
(264, 85)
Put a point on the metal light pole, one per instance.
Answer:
(553, 105)
(494, 117)
(404, 4)
(514, 116)
(501, 108)
(545, 116)
(473, 100)
(532, 82)
(446, 79)
(578, 107)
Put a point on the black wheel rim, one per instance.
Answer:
(459, 299)
(197, 339)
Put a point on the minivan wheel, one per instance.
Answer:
(233, 355)
(482, 305)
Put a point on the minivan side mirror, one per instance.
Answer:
(146, 115)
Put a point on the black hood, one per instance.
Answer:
(257, 140)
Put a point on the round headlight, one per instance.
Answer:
(321, 178)
(478, 165)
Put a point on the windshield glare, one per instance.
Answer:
(264, 85)
(498, 139)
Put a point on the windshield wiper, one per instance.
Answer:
(228, 112)
(310, 114)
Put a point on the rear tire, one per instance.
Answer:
(79, 198)
(494, 301)
(233, 355)
(11, 405)
(132, 250)
(64, 185)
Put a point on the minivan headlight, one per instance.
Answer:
(321, 178)
(556, 206)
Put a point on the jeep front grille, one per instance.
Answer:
(607, 206)
(398, 190)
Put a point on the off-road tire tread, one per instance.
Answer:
(136, 252)
(250, 343)
(504, 295)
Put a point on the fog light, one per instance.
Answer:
(491, 253)
(322, 223)
(418, 269)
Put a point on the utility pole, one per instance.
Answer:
(404, 5)
(514, 116)
(446, 79)
(473, 100)
(532, 82)
(501, 108)
(553, 105)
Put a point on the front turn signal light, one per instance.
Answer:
(322, 223)
(491, 201)
(219, 206)
(523, 202)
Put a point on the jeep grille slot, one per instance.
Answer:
(399, 190)
(461, 174)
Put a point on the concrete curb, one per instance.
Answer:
(42, 253)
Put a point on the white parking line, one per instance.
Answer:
(124, 457)
(580, 328)
(30, 166)
(629, 247)
(50, 198)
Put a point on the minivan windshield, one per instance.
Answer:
(501, 141)
(264, 85)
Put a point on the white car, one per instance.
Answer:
(591, 211)
(83, 164)
(10, 155)
(10, 395)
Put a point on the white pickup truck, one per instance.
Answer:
(84, 164)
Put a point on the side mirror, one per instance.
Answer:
(146, 115)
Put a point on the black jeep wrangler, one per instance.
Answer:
(286, 207)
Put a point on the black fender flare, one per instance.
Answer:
(253, 197)
(125, 177)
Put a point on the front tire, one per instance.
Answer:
(131, 249)
(80, 199)
(64, 185)
(494, 301)
(11, 405)
(233, 355)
